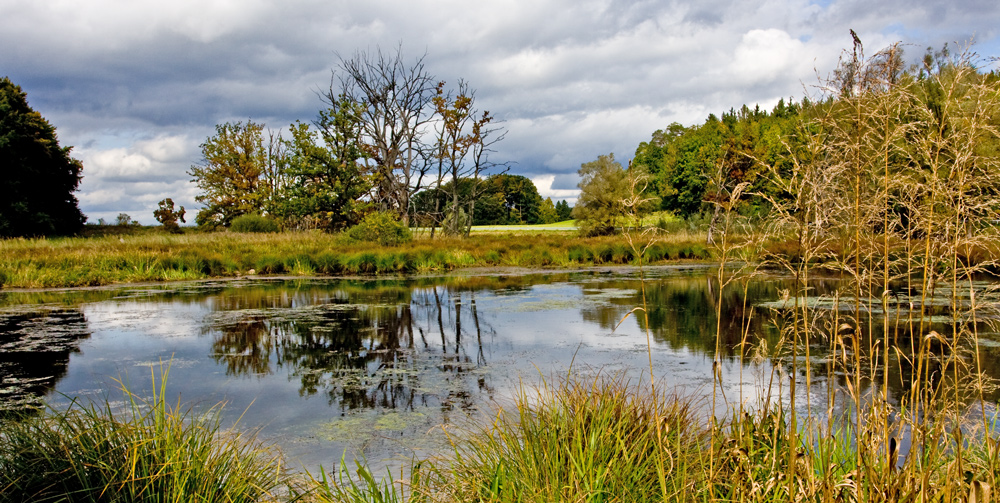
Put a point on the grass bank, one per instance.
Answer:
(604, 439)
(151, 256)
(148, 452)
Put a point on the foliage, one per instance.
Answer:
(124, 220)
(693, 165)
(381, 227)
(564, 211)
(167, 216)
(517, 198)
(501, 199)
(327, 177)
(37, 176)
(547, 213)
(253, 223)
(461, 139)
(606, 190)
(241, 173)
(455, 222)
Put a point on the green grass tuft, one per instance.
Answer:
(150, 452)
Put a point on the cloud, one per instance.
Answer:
(137, 85)
(764, 56)
(134, 179)
(546, 188)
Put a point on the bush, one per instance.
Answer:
(327, 263)
(381, 227)
(253, 223)
(269, 265)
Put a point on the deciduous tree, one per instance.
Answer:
(326, 170)
(241, 173)
(168, 216)
(395, 98)
(37, 176)
(607, 193)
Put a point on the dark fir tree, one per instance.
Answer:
(37, 176)
(564, 210)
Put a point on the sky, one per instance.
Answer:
(135, 86)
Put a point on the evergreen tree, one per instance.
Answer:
(564, 210)
(37, 176)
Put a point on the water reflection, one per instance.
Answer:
(371, 366)
(361, 348)
(35, 348)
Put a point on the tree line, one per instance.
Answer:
(390, 138)
(693, 171)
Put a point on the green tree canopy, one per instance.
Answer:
(564, 210)
(603, 190)
(694, 165)
(327, 177)
(519, 200)
(37, 176)
(547, 212)
(242, 173)
(501, 199)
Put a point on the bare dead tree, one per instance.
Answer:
(395, 97)
(488, 136)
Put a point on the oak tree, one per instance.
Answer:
(241, 173)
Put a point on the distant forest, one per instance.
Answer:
(692, 168)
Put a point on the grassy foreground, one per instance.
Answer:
(599, 440)
(104, 260)
(151, 451)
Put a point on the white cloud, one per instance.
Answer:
(134, 179)
(544, 185)
(136, 85)
(768, 55)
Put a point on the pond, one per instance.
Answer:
(373, 368)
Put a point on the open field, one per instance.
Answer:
(154, 256)
(566, 225)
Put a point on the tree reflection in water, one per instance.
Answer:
(35, 346)
(361, 347)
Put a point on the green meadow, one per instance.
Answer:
(149, 255)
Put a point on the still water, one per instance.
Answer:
(376, 368)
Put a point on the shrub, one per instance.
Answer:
(580, 253)
(253, 223)
(381, 227)
(269, 265)
(167, 215)
(492, 257)
(327, 263)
